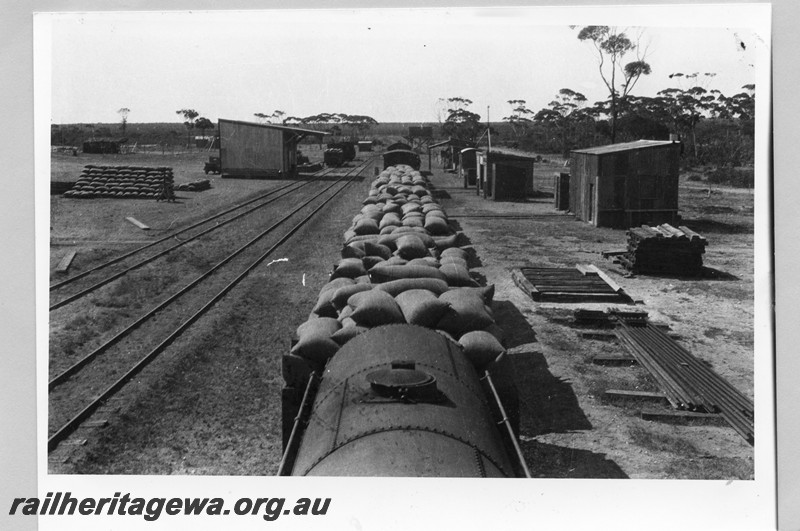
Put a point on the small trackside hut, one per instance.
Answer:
(468, 159)
(625, 185)
(450, 152)
(256, 151)
(505, 176)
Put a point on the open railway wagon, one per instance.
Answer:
(348, 150)
(400, 368)
(401, 156)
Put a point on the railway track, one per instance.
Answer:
(78, 391)
(83, 284)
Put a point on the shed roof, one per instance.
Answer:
(108, 139)
(495, 155)
(625, 146)
(452, 142)
(285, 128)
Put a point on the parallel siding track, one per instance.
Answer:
(73, 392)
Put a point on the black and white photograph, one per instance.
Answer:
(308, 267)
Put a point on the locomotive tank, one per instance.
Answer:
(401, 400)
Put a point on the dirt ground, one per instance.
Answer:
(567, 430)
(211, 404)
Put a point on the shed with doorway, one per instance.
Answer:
(252, 150)
(449, 154)
(468, 166)
(506, 176)
(625, 185)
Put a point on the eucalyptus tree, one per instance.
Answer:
(612, 46)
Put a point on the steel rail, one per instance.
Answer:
(700, 372)
(740, 418)
(714, 393)
(169, 236)
(697, 374)
(695, 399)
(718, 393)
(666, 382)
(78, 365)
(101, 283)
(73, 423)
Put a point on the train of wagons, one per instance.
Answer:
(400, 369)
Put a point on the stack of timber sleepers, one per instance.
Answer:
(584, 283)
(664, 250)
(687, 382)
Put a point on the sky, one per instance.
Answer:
(391, 64)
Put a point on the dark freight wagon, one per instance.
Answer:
(625, 185)
(251, 150)
(103, 146)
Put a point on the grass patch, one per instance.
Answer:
(133, 291)
(736, 177)
(80, 330)
(661, 442)
(714, 332)
(195, 257)
(70, 344)
(726, 468)
(78, 323)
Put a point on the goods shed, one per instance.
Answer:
(252, 150)
(625, 185)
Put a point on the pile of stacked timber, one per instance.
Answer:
(664, 250)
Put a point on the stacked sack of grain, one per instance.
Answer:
(120, 182)
(400, 264)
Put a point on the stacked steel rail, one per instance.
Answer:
(686, 381)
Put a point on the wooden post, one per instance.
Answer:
(65, 262)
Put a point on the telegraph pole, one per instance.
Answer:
(488, 130)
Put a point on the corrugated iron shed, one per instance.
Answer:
(253, 150)
(625, 185)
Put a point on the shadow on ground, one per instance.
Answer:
(706, 226)
(551, 461)
(548, 405)
(515, 326)
(706, 273)
(550, 401)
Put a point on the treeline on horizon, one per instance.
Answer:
(720, 141)
(714, 128)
